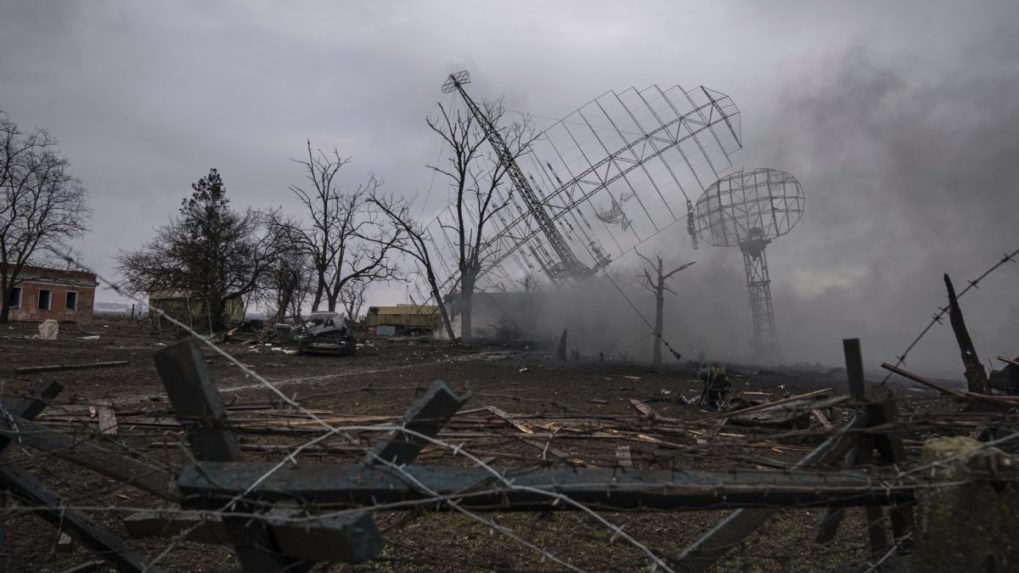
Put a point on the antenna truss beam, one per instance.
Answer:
(569, 265)
(636, 154)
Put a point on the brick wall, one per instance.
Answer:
(33, 281)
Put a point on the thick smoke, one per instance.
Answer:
(905, 180)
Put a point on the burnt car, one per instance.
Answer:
(325, 333)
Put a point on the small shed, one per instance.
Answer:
(402, 320)
(189, 308)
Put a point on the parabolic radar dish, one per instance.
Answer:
(749, 209)
(758, 205)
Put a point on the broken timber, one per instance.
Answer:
(48, 505)
(976, 376)
(61, 367)
(704, 552)
(211, 484)
(200, 409)
(429, 414)
(317, 538)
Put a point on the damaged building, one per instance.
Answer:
(43, 293)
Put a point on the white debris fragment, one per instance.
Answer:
(48, 330)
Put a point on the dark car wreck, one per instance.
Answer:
(320, 333)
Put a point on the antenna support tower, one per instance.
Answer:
(568, 265)
(750, 209)
(755, 263)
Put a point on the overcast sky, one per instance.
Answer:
(900, 119)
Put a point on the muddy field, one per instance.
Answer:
(383, 380)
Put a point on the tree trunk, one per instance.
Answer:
(443, 312)
(465, 318)
(215, 309)
(318, 294)
(656, 359)
(6, 291)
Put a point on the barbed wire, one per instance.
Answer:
(936, 319)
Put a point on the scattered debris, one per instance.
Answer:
(107, 420)
(501, 414)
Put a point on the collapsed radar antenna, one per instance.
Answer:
(601, 181)
(456, 80)
(750, 209)
(569, 266)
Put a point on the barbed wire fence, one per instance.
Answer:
(352, 437)
(942, 311)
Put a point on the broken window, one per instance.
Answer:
(44, 299)
(71, 302)
(16, 297)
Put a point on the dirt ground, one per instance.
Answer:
(384, 379)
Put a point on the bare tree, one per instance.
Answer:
(352, 297)
(476, 177)
(344, 239)
(41, 205)
(656, 284)
(290, 280)
(415, 246)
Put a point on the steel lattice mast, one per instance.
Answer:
(569, 266)
(755, 263)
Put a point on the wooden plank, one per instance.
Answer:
(769, 405)
(349, 537)
(48, 505)
(734, 528)
(87, 567)
(427, 416)
(822, 419)
(42, 393)
(130, 471)
(39, 398)
(546, 448)
(864, 445)
(475, 487)
(891, 453)
(643, 408)
(199, 407)
(196, 402)
(998, 401)
(1008, 361)
(62, 367)
(523, 428)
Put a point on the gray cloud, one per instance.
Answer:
(899, 120)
